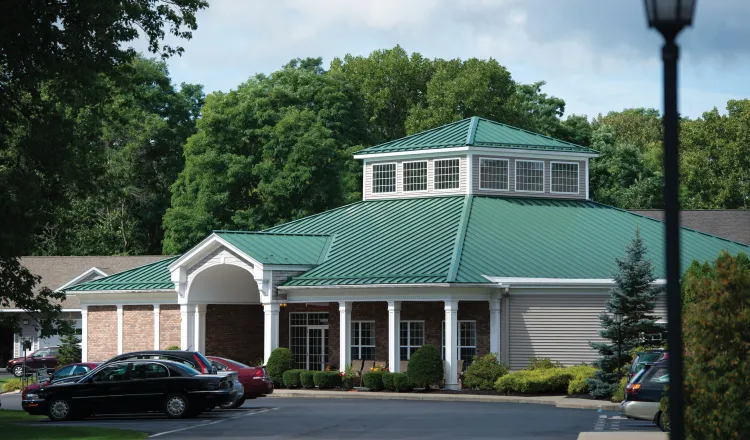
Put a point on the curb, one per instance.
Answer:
(442, 398)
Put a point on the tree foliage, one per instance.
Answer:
(70, 350)
(634, 297)
(717, 360)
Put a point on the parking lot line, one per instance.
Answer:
(210, 423)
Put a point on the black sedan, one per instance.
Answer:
(129, 387)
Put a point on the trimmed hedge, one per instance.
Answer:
(388, 381)
(552, 380)
(425, 367)
(578, 384)
(373, 380)
(619, 394)
(281, 360)
(292, 378)
(542, 364)
(307, 378)
(13, 384)
(401, 382)
(484, 372)
(326, 379)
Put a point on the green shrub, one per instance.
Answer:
(402, 383)
(291, 378)
(425, 367)
(69, 352)
(578, 384)
(307, 378)
(327, 379)
(542, 364)
(552, 380)
(373, 380)
(281, 359)
(484, 372)
(619, 393)
(173, 347)
(12, 385)
(388, 381)
(349, 378)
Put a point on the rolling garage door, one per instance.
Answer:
(557, 326)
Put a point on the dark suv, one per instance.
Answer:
(44, 357)
(192, 359)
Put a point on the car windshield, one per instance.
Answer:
(638, 376)
(239, 364)
(203, 359)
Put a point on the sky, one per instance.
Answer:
(598, 55)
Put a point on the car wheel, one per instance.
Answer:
(176, 406)
(664, 422)
(59, 410)
(18, 370)
(238, 403)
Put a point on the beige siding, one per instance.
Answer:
(512, 179)
(556, 326)
(463, 180)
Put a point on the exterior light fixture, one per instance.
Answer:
(670, 17)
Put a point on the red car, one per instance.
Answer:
(254, 379)
(71, 370)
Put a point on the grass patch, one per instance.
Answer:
(13, 431)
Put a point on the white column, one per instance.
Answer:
(199, 328)
(495, 322)
(270, 329)
(84, 333)
(345, 329)
(451, 344)
(119, 329)
(187, 321)
(505, 325)
(157, 309)
(394, 337)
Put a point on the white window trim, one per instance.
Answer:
(507, 177)
(427, 177)
(408, 337)
(395, 178)
(434, 175)
(544, 177)
(578, 177)
(359, 340)
(458, 338)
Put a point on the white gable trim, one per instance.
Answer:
(76, 280)
(208, 245)
(521, 282)
(505, 152)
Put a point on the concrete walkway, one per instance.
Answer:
(558, 401)
(623, 436)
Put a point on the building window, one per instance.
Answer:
(412, 337)
(564, 177)
(308, 339)
(467, 341)
(384, 178)
(493, 174)
(363, 340)
(415, 176)
(530, 175)
(447, 173)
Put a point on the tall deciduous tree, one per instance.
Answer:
(51, 57)
(634, 297)
(273, 150)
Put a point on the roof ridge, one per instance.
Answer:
(315, 215)
(93, 256)
(416, 134)
(662, 221)
(472, 130)
(533, 133)
(296, 234)
(102, 280)
(458, 248)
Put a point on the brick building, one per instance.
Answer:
(475, 237)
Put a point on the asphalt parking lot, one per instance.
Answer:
(281, 418)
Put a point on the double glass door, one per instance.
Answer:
(317, 348)
(308, 339)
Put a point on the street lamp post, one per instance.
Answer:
(618, 320)
(669, 17)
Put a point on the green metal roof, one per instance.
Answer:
(266, 248)
(477, 132)
(154, 276)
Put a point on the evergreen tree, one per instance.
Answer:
(70, 350)
(633, 296)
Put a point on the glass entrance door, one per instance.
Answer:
(317, 348)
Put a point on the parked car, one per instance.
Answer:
(193, 359)
(72, 370)
(644, 392)
(44, 357)
(129, 387)
(255, 380)
(645, 357)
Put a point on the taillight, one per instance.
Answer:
(633, 388)
(224, 385)
(204, 368)
(259, 373)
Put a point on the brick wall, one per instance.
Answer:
(102, 333)
(137, 328)
(235, 332)
(478, 311)
(169, 325)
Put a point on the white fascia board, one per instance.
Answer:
(24, 311)
(130, 298)
(521, 282)
(77, 279)
(386, 286)
(209, 244)
(492, 151)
